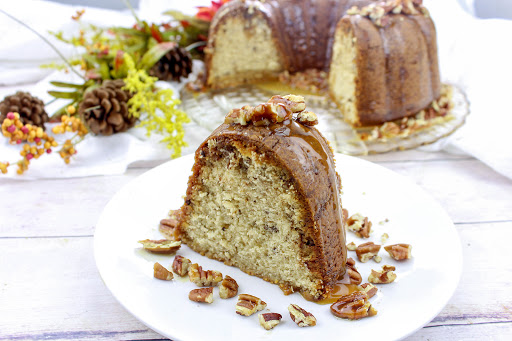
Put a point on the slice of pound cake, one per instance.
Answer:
(264, 196)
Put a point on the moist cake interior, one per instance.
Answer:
(248, 214)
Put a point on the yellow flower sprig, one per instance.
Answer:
(163, 116)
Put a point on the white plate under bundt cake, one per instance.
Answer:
(381, 55)
(264, 196)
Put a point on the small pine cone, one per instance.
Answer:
(175, 64)
(105, 109)
(30, 108)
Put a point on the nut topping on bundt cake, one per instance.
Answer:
(264, 196)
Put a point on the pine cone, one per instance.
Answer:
(30, 108)
(175, 64)
(105, 109)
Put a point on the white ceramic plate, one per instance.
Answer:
(423, 286)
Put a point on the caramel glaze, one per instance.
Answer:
(303, 29)
(308, 158)
(338, 291)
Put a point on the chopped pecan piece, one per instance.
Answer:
(180, 265)
(307, 118)
(163, 246)
(162, 273)
(228, 288)
(370, 289)
(353, 306)
(248, 305)
(355, 276)
(269, 320)
(399, 251)
(367, 251)
(351, 246)
(344, 212)
(271, 112)
(382, 277)
(169, 227)
(237, 116)
(298, 103)
(300, 316)
(203, 278)
(203, 295)
(359, 225)
(377, 259)
(384, 238)
(390, 128)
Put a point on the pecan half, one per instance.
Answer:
(399, 251)
(359, 225)
(369, 288)
(203, 278)
(269, 320)
(354, 306)
(228, 288)
(300, 316)
(162, 273)
(203, 295)
(248, 305)
(180, 265)
(163, 246)
(385, 276)
(367, 251)
(355, 276)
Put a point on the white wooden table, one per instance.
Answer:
(50, 288)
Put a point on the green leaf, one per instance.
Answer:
(104, 71)
(66, 85)
(154, 54)
(65, 95)
(135, 47)
(127, 31)
(201, 24)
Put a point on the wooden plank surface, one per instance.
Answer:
(50, 288)
(39, 206)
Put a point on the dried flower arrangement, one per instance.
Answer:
(119, 67)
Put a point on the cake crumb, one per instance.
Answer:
(384, 238)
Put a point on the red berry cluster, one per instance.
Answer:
(38, 141)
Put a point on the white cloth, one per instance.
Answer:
(474, 54)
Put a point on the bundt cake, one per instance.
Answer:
(264, 196)
(381, 56)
